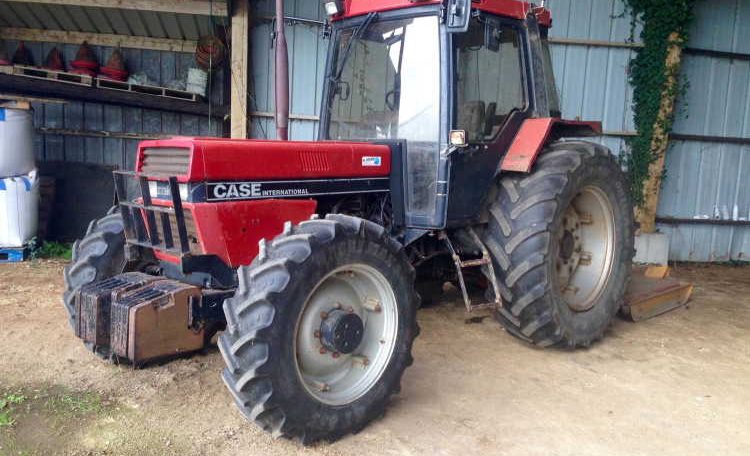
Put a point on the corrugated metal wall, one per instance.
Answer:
(307, 59)
(708, 175)
(593, 78)
(160, 67)
(591, 55)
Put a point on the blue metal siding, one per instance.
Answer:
(307, 54)
(593, 80)
(705, 176)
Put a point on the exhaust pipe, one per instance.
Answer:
(282, 76)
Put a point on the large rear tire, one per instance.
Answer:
(320, 329)
(562, 243)
(98, 256)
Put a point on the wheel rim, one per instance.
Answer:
(586, 246)
(337, 378)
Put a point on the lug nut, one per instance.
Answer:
(322, 387)
(372, 305)
(362, 360)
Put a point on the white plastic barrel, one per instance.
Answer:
(16, 146)
(19, 209)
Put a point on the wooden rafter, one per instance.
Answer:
(196, 7)
(239, 68)
(98, 39)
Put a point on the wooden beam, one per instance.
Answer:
(7, 96)
(596, 43)
(239, 68)
(272, 115)
(646, 214)
(195, 7)
(101, 134)
(98, 39)
(20, 85)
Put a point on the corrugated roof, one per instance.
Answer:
(120, 21)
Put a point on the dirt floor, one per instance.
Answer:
(678, 384)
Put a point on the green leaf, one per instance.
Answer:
(6, 420)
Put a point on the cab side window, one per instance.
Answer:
(489, 79)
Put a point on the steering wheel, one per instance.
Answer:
(392, 99)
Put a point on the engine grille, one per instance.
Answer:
(166, 161)
(192, 231)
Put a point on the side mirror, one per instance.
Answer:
(458, 13)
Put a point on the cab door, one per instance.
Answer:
(491, 101)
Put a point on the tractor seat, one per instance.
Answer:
(471, 118)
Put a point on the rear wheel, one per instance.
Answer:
(562, 242)
(320, 329)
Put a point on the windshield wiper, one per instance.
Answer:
(355, 36)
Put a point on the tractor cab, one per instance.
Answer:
(453, 83)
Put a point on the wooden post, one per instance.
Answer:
(646, 214)
(239, 68)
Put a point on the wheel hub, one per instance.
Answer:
(342, 331)
(585, 249)
(567, 245)
(346, 334)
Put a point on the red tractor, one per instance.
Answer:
(441, 158)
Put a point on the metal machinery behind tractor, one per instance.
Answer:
(441, 158)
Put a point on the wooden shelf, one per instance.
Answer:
(22, 85)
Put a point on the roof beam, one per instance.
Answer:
(97, 39)
(196, 7)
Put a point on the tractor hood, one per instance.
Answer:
(215, 159)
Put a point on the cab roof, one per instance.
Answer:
(515, 9)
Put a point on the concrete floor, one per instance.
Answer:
(678, 385)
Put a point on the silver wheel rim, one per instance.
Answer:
(586, 249)
(336, 378)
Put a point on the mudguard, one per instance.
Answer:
(534, 134)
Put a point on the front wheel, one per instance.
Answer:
(320, 329)
(98, 256)
(562, 243)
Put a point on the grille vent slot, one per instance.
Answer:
(166, 161)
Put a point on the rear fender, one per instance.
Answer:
(534, 134)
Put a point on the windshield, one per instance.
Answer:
(389, 84)
(386, 85)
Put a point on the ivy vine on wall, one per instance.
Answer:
(665, 23)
